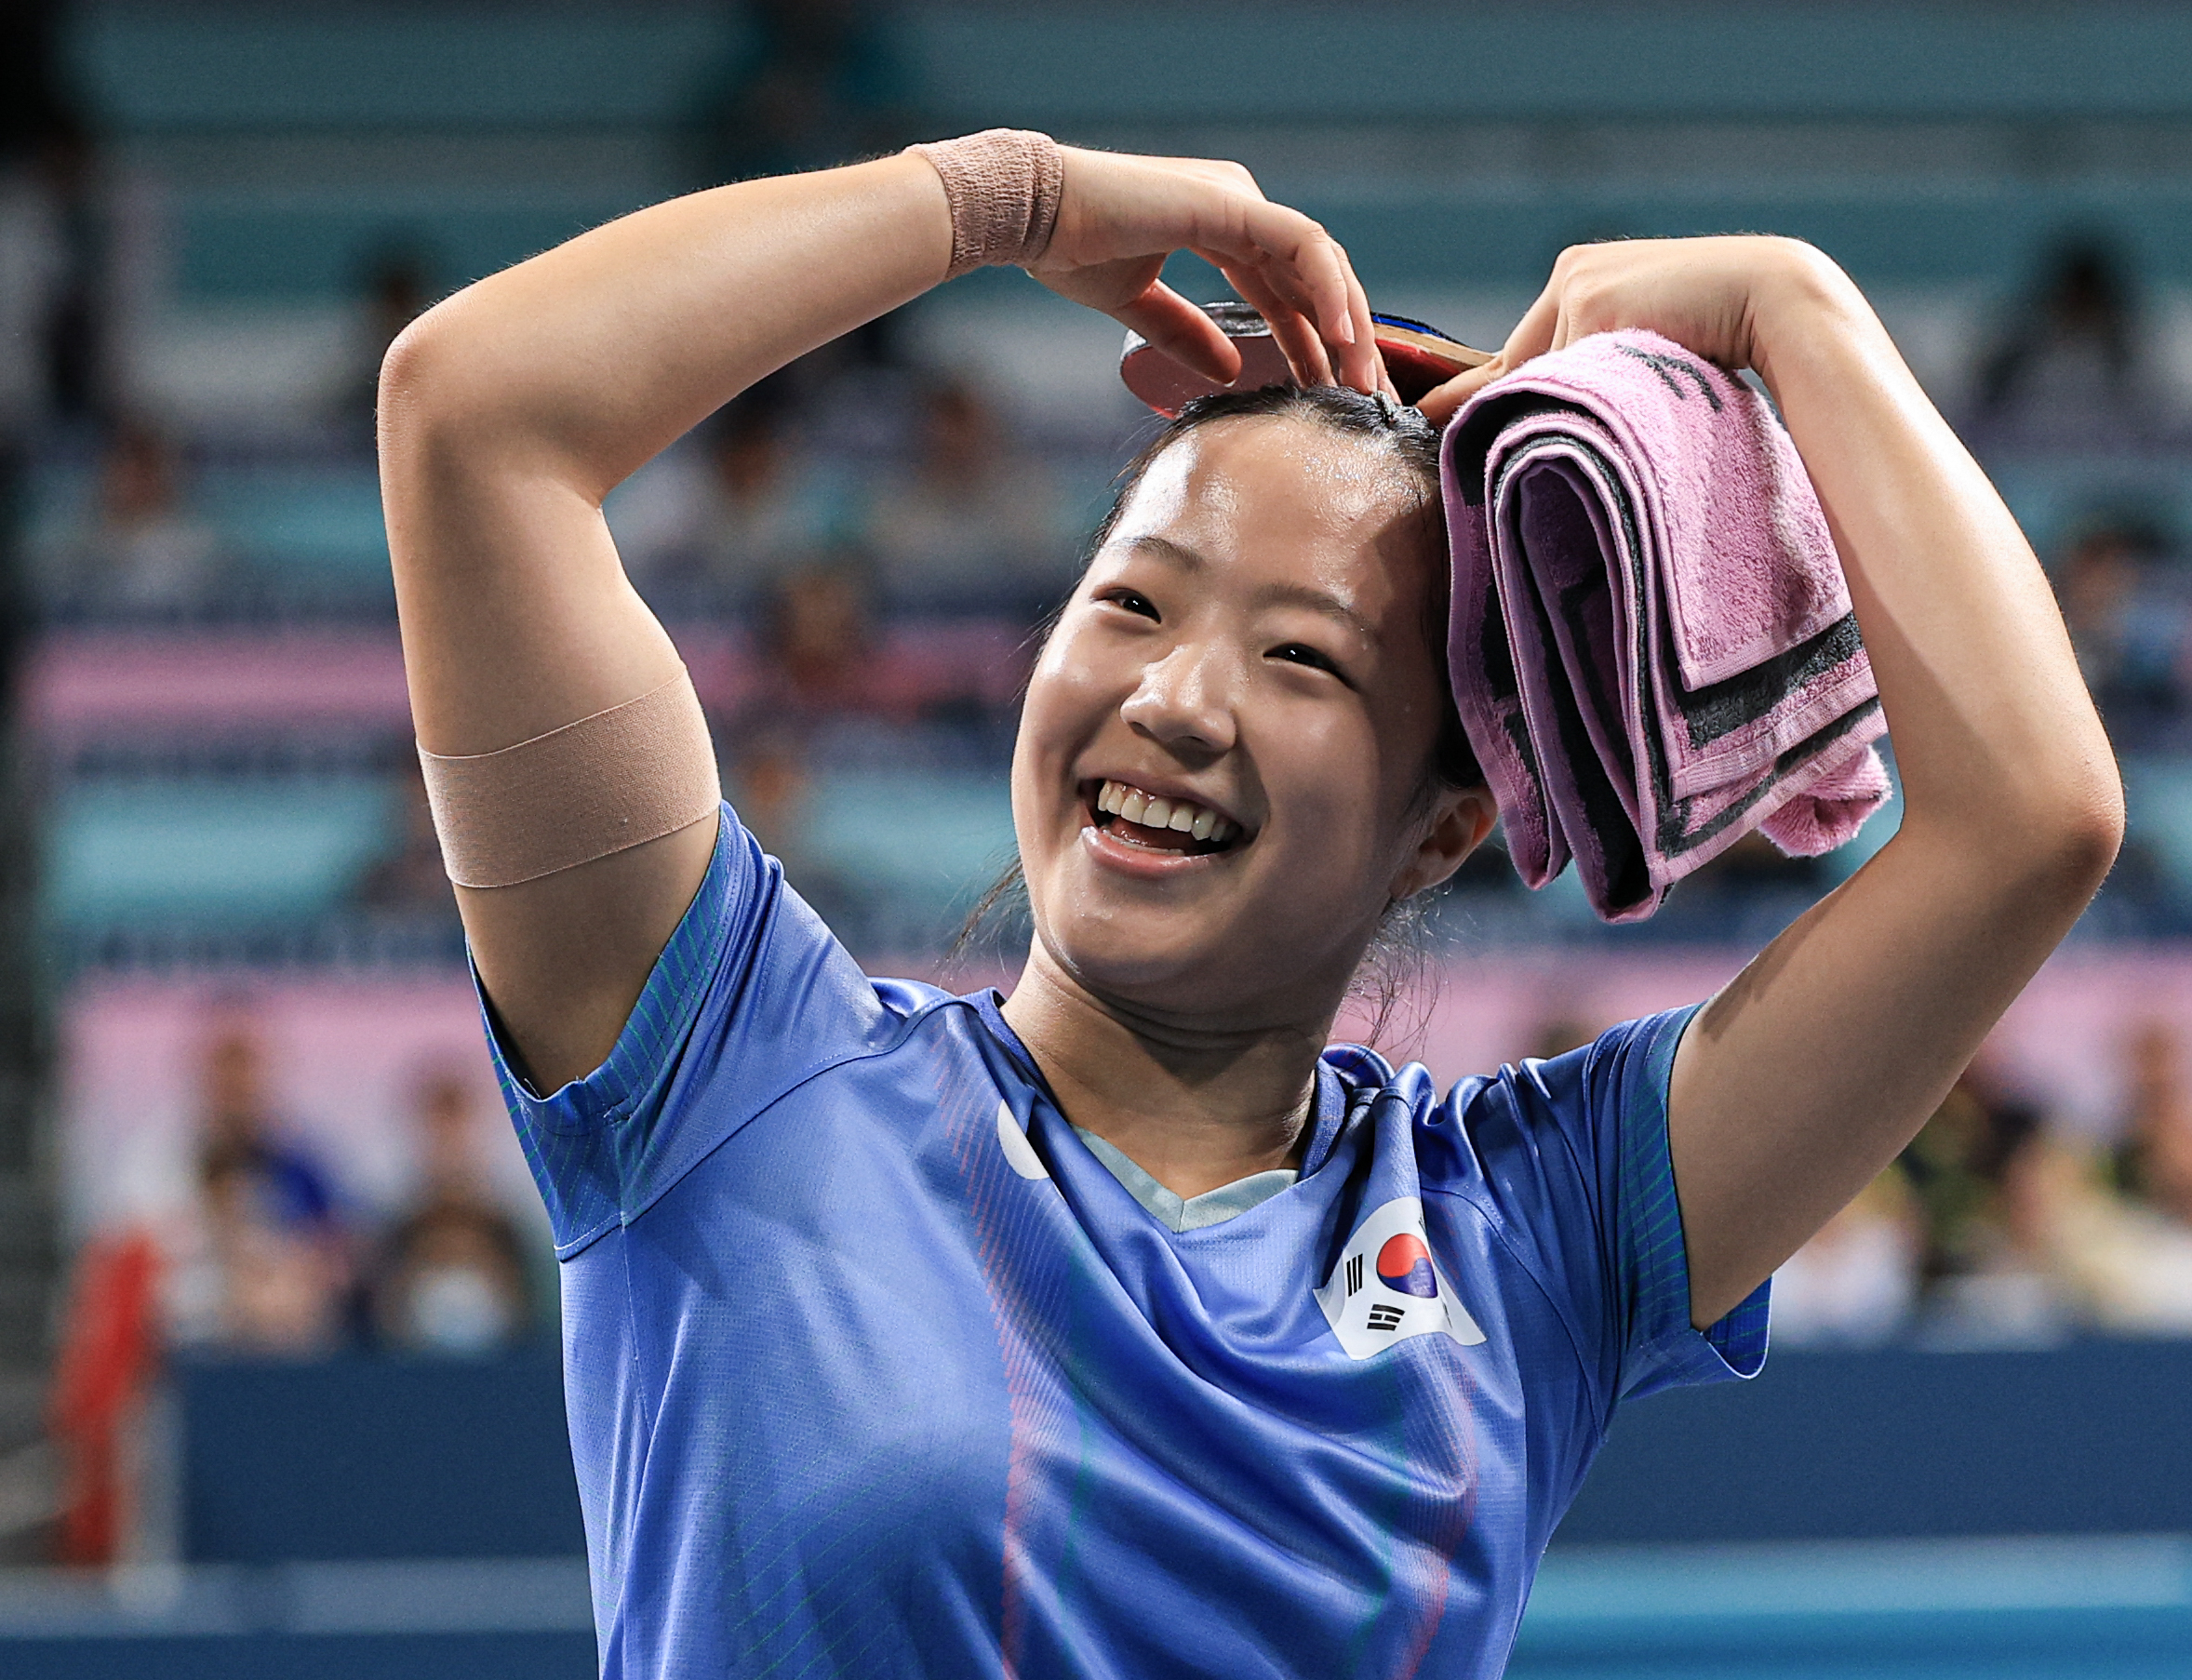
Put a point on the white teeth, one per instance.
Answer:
(1183, 816)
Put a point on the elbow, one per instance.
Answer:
(2047, 847)
(421, 377)
(2070, 847)
(2093, 833)
(2089, 809)
(458, 389)
(457, 374)
(405, 367)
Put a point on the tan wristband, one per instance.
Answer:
(604, 784)
(1004, 185)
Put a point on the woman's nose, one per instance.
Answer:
(1184, 701)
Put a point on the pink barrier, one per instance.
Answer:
(340, 1053)
(80, 686)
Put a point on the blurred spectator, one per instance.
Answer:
(143, 549)
(79, 375)
(817, 647)
(1855, 1283)
(80, 257)
(724, 514)
(2124, 1235)
(1982, 1176)
(2071, 355)
(266, 1282)
(266, 1266)
(972, 521)
(397, 287)
(452, 1276)
(812, 83)
(2153, 1161)
(411, 880)
(239, 1126)
(2129, 635)
(51, 358)
(770, 787)
(770, 783)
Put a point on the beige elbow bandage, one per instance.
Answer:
(616, 780)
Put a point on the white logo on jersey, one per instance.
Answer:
(1019, 1151)
(1386, 1288)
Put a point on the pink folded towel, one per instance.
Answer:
(1652, 644)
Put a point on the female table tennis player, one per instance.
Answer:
(1123, 1327)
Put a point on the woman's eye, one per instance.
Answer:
(1131, 600)
(1295, 653)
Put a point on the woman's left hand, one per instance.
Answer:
(1813, 1070)
(1708, 295)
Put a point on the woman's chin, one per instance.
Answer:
(1111, 961)
(1170, 963)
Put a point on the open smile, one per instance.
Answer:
(1131, 826)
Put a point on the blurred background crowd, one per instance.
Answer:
(243, 1112)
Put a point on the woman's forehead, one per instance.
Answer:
(1271, 494)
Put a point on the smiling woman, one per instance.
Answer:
(1126, 1326)
(1258, 633)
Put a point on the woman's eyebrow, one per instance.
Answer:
(1164, 548)
(1318, 601)
(1271, 595)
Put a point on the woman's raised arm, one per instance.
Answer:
(1809, 1072)
(510, 409)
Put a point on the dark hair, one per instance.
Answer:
(1397, 954)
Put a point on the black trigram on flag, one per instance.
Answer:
(1353, 1273)
(1384, 1317)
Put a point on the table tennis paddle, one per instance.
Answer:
(1417, 358)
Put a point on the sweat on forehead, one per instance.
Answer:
(1401, 437)
(1309, 466)
(1265, 480)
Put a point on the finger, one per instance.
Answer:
(1355, 363)
(1362, 361)
(1182, 331)
(1282, 299)
(1324, 267)
(1441, 403)
(1295, 337)
(1300, 256)
(1536, 332)
(1566, 329)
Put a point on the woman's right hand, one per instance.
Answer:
(510, 409)
(1121, 216)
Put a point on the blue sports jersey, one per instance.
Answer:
(874, 1369)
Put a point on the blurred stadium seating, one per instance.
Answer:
(213, 720)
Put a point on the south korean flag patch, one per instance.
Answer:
(1387, 1287)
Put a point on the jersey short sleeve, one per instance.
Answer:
(1574, 1154)
(751, 995)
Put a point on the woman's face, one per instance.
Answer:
(1251, 641)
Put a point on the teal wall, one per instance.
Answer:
(2034, 77)
(180, 66)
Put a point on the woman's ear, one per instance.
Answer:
(1461, 818)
